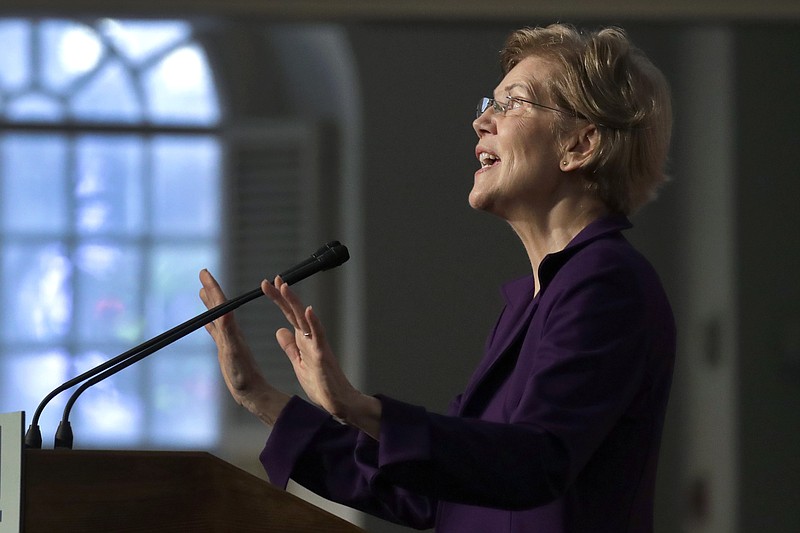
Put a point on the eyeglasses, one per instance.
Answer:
(513, 102)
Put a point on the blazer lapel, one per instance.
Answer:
(512, 324)
(520, 307)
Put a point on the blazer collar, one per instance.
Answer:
(520, 303)
(519, 292)
(601, 227)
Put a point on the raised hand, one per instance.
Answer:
(315, 365)
(244, 380)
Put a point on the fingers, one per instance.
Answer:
(288, 302)
(275, 295)
(315, 325)
(298, 309)
(308, 339)
(211, 293)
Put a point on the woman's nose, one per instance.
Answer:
(484, 123)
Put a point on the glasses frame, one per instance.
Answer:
(499, 107)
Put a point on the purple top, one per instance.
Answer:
(557, 431)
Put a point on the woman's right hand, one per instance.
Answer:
(242, 376)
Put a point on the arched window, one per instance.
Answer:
(110, 166)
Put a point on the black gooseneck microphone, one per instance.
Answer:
(329, 256)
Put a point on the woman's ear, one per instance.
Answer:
(580, 148)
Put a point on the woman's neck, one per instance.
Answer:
(550, 232)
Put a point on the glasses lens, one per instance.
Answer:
(483, 105)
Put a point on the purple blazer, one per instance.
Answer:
(558, 429)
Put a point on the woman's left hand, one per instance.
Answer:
(315, 365)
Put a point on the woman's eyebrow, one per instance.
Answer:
(526, 87)
(514, 86)
(508, 88)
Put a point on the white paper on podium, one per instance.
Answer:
(11, 427)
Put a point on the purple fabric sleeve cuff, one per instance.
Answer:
(405, 432)
(291, 435)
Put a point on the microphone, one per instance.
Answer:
(329, 256)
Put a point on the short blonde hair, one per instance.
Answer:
(603, 77)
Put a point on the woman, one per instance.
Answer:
(558, 430)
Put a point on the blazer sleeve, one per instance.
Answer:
(338, 463)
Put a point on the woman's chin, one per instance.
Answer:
(476, 200)
(480, 201)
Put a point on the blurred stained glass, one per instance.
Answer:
(180, 88)
(33, 170)
(141, 40)
(110, 95)
(108, 302)
(102, 233)
(109, 185)
(37, 286)
(69, 50)
(184, 382)
(174, 269)
(112, 412)
(186, 173)
(15, 67)
(26, 376)
(34, 107)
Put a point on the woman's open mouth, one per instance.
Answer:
(487, 159)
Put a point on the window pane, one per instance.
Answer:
(180, 89)
(69, 50)
(139, 40)
(103, 233)
(109, 96)
(108, 280)
(33, 173)
(26, 377)
(185, 383)
(173, 297)
(109, 180)
(37, 286)
(186, 186)
(15, 59)
(110, 413)
(34, 107)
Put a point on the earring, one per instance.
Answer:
(563, 163)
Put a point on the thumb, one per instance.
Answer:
(287, 343)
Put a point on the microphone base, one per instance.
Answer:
(33, 437)
(63, 439)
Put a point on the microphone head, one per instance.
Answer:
(324, 248)
(334, 255)
(329, 256)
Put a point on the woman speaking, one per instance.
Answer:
(558, 429)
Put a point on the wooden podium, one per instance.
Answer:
(138, 491)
